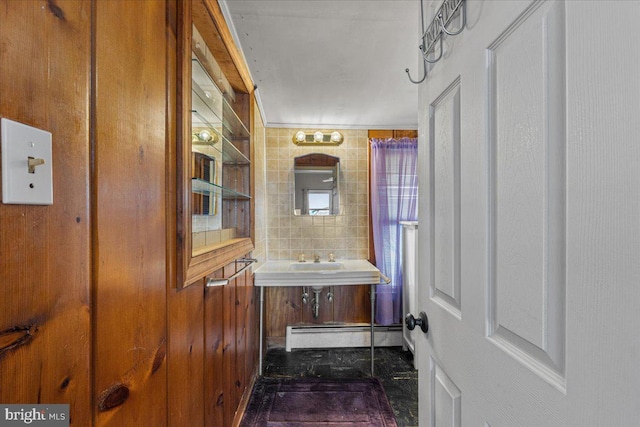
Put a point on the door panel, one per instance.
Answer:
(529, 231)
(444, 115)
(446, 398)
(527, 190)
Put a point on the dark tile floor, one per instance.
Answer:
(393, 367)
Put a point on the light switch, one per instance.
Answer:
(27, 169)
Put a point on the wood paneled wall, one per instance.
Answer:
(284, 306)
(45, 251)
(90, 314)
(128, 204)
(397, 133)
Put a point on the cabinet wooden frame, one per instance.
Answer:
(190, 266)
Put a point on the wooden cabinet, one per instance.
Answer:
(230, 346)
(213, 224)
(213, 156)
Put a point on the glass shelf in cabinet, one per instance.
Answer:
(203, 84)
(206, 188)
(208, 148)
(205, 113)
(230, 153)
(232, 126)
(205, 91)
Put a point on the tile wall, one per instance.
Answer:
(347, 234)
(260, 192)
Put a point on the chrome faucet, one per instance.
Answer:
(316, 258)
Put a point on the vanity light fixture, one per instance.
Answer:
(207, 136)
(317, 138)
(336, 137)
(299, 137)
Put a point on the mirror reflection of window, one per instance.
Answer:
(319, 202)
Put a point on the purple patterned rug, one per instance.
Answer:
(306, 402)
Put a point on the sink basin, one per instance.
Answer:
(294, 273)
(316, 266)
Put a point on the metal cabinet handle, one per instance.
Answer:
(211, 282)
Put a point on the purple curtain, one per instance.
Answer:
(394, 198)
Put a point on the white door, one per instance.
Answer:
(529, 234)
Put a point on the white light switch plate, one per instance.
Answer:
(19, 143)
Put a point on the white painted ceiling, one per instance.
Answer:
(331, 63)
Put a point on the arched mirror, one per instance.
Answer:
(316, 185)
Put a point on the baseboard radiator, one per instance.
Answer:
(337, 336)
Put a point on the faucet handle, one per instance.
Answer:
(332, 257)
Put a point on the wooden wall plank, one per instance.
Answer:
(214, 344)
(45, 250)
(283, 306)
(352, 304)
(230, 397)
(253, 335)
(388, 133)
(171, 139)
(242, 329)
(186, 357)
(241, 314)
(129, 240)
(405, 134)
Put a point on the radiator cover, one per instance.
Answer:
(338, 336)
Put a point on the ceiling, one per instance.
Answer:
(330, 63)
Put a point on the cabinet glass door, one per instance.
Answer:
(213, 205)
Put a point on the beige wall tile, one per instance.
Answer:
(288, 235)
(260, 182)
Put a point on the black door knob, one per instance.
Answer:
(421, 321)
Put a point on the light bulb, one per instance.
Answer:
(318, 136)
(205, 135)
(336, 137)
(300, 136)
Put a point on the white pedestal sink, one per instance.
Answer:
(316, 266)
(316, 275)
(339, 273)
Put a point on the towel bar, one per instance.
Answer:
(212, 281)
